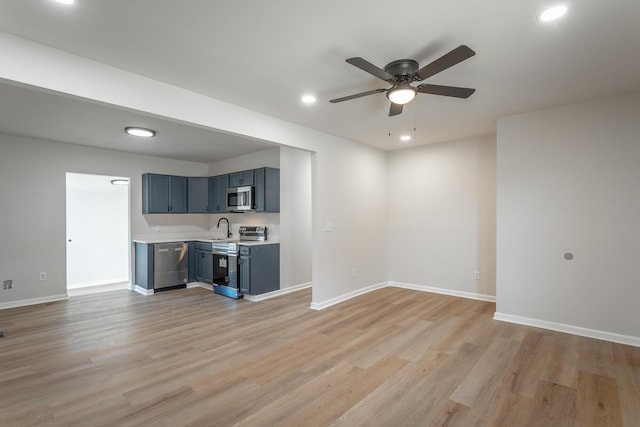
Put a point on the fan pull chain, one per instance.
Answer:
(415, 108)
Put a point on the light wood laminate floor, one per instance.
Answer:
(393, 357)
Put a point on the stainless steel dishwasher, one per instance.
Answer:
(169, 265)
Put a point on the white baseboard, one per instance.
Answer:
(444, 291)
(569, 329)
(422, 288)
(347, 296)
(202, 285)
(143, 291)
(283, 291)
(32, 301)
(97, 283)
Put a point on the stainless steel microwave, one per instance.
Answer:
(240, 199)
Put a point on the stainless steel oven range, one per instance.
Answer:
(225, 269)
(225, 260)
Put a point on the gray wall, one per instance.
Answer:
(32, 188)
(569, 181)
(442, 216)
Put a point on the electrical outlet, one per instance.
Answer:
(43, 275)
(7, 284)
(476, 275)
(354, 272)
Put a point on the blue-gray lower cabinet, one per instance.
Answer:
(164, 194)
(267, 189)
(198, 194)
(202, 262)
(218, 193)
(259, 268)
(144, 265)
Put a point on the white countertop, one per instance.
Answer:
(208, 240)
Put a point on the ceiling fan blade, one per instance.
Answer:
(447, 60)
(357, 95)
(454, 91)
(367, 66)
(395, 109)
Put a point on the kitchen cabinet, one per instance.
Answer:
(198, 194)
(203, 264)
(218, 193)
(267, 190)
(164, 194)
(240, 179)
(259, 268)
(144, 265)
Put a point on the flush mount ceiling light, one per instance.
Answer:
(120, 181)
(65, 1)
(308, 99)
(401, 94)
(141, 132)
(405, 138)
(553, 13)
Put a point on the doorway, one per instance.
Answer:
(97, 222)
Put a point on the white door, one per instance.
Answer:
(97, 231)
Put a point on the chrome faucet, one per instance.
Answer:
(229, 233)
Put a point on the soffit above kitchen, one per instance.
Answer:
(33, 113)
(265, 55)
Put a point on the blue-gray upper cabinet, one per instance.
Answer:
(267, 190)
(198, 194)
(239, 179)
(164, 194)
(218, 193)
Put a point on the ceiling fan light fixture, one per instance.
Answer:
(401, 95)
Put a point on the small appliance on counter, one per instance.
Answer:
(225, 261)
(257, 233)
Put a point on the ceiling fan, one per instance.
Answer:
(401, 73)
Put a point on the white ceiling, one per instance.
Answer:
(264, 55)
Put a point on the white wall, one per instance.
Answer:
(269, 157)
(32, 188)
(97, 230)
(349, 197)
(338, 167)
(295, 217)
(442, 216)
(569, 181)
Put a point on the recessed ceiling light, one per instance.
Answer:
(141, 132)
(405, 138)
(309, 99)
(65, 1)
(553, 13)
(120, 181)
